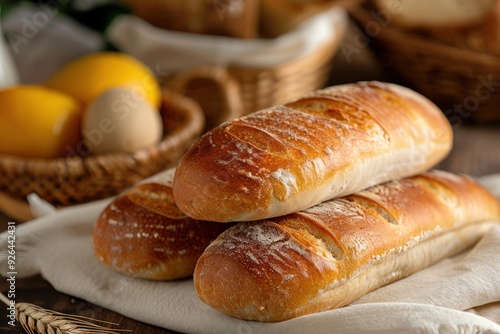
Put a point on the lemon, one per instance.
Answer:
(89, 76)
(38, 122)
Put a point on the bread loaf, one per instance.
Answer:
(437, 14)
(472, 25)
(143, 234)
(481, 37)
(330, 143)
(281, 16)
(235, 18)
(329, 255)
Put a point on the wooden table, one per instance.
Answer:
(476, 152)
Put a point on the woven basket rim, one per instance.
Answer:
(183, 105)
(361, 15)
(449, 75)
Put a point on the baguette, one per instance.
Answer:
(330, 143)
(330, 255)
(143, 234)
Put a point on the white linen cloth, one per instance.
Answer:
(433, 300)
(171, 51)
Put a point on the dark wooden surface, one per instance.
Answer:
(37, 291)
(476, 152)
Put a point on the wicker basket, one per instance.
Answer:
(74, 180)
(454, 78)
(251, 89)
(215, 89)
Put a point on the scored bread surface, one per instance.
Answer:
(143, 234)
(334, 253)
(330, 143)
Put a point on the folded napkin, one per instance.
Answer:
(433, 300)
(171, 51)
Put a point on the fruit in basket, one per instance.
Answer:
(89, 76)
(38, 122)
(120, 121)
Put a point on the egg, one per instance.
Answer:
(120, 120)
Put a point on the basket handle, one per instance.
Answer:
(225, 82)
(15, 208)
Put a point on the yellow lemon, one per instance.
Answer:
(38, 122)
(89, 76)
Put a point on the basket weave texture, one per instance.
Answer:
(256, 88)
(75, 180)
(463, 82)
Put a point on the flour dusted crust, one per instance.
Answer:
(143, 233)
(327, 144)
(332, 254)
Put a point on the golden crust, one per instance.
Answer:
(330, 143)
(144, 234)
(330, 255)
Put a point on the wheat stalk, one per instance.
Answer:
(35, 319)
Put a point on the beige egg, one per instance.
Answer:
(120, 120)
